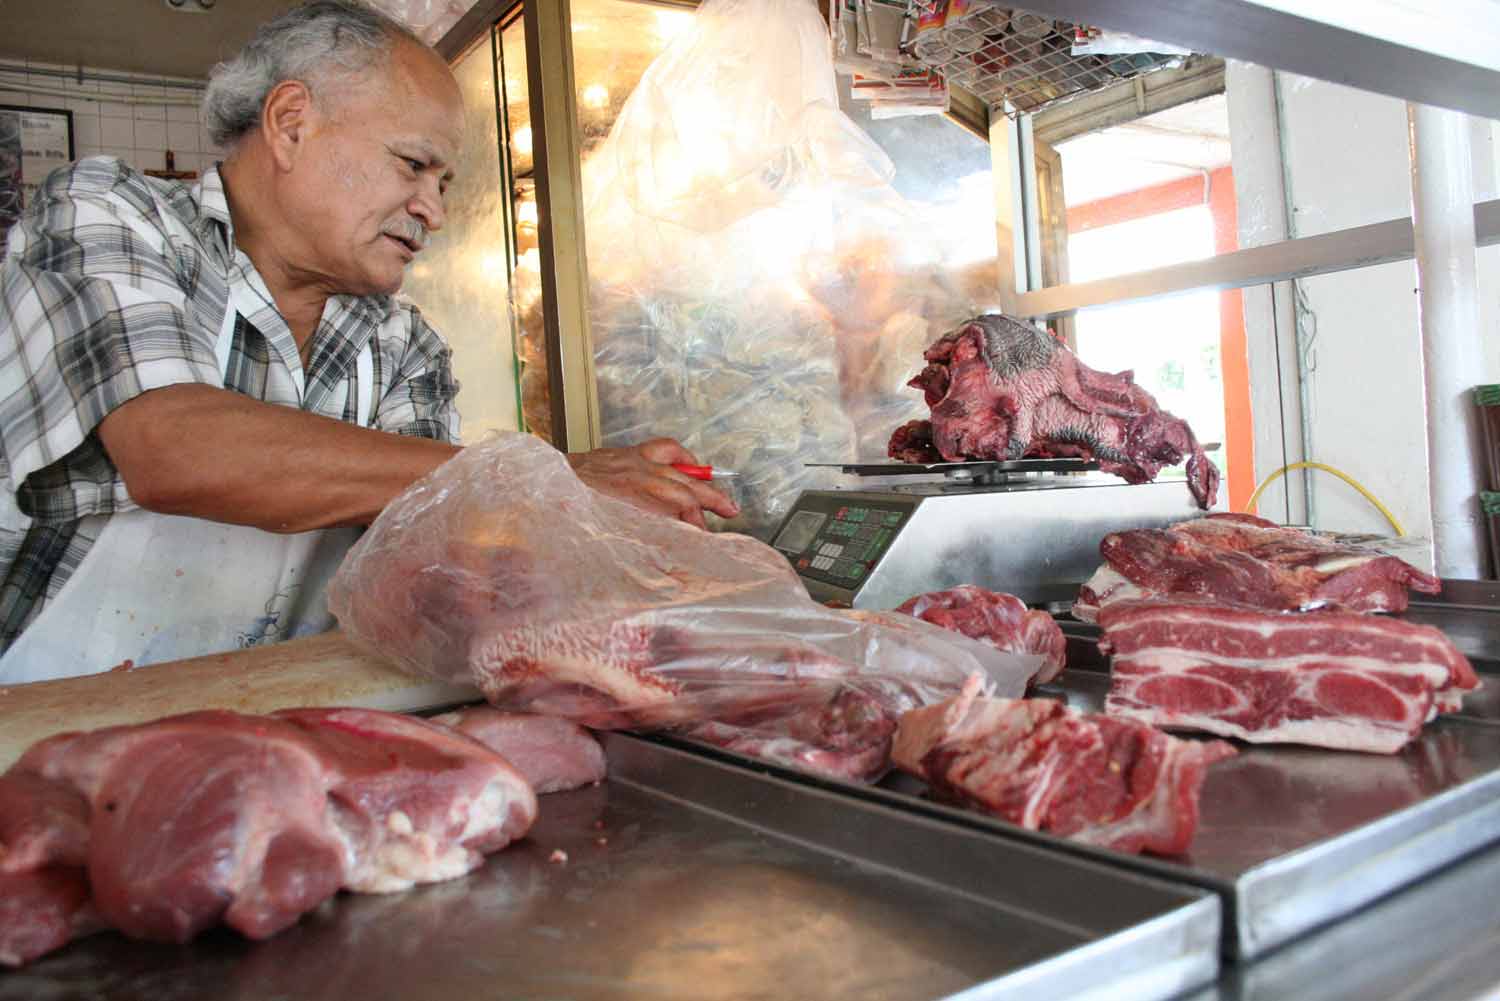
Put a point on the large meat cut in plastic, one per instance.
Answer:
(164, 829)
(1001, 620)
(1002, 389)
(1035, 762)
(1332, 679)
(1244, 560)
(757, 285)
(720, 173)
(504, 570)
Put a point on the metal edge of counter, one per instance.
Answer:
(1160, 956)
(1371, 862)
(1263, 909)
(1267, 905)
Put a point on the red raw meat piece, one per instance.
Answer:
(251, 821)
(1245, 560)
(42, 910)
(849, 738)
(1002, 389)
(553, 754)
(1039, 764)
(41, 823)
(1001, 620)
(1328, 678)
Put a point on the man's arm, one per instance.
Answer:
(216, 454)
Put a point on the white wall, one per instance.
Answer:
(113, 120)
(1345, 164)
(1486, 141)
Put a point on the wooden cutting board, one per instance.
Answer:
(326, 670)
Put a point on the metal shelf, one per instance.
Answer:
(1019, 62)
(1442, 54)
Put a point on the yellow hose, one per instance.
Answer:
(1255, 497)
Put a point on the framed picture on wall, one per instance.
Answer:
(33, 143)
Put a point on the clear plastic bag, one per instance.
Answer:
(503, 569)
(729, 164)
(759, 290)
(889, 292)
(429, 20)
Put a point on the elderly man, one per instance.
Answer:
(203, 391)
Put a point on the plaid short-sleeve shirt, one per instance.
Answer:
(114, 284)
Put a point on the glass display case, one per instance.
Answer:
(463, 280)
(1171, 223)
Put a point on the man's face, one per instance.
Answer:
(370, 185)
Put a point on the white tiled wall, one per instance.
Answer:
(109, 118)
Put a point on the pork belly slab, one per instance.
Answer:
(552, 754)
(216, 817)
(1001, 620)
(1037, 763)
(1327, 678)
(1244, 560)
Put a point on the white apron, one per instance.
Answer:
(157, 587)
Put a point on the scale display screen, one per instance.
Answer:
(799, 531)
(838, 539)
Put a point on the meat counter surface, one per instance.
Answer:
(685, 877)
(1296, 837)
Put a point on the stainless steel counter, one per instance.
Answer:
(1295, 837)
(688, 878)
(721, 878)
(1436, 941)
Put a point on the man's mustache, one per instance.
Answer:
(410, 232)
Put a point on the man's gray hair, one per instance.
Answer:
(321, 44)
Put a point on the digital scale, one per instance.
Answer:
(1028, 527)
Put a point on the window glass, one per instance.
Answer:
(461, 280)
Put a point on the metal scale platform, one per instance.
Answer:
(1029, 527)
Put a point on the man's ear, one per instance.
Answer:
(284, 120)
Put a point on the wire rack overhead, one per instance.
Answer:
(1019, 62)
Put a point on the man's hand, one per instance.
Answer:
(643, 476)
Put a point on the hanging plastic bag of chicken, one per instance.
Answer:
(503, 569)
(727, 167)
